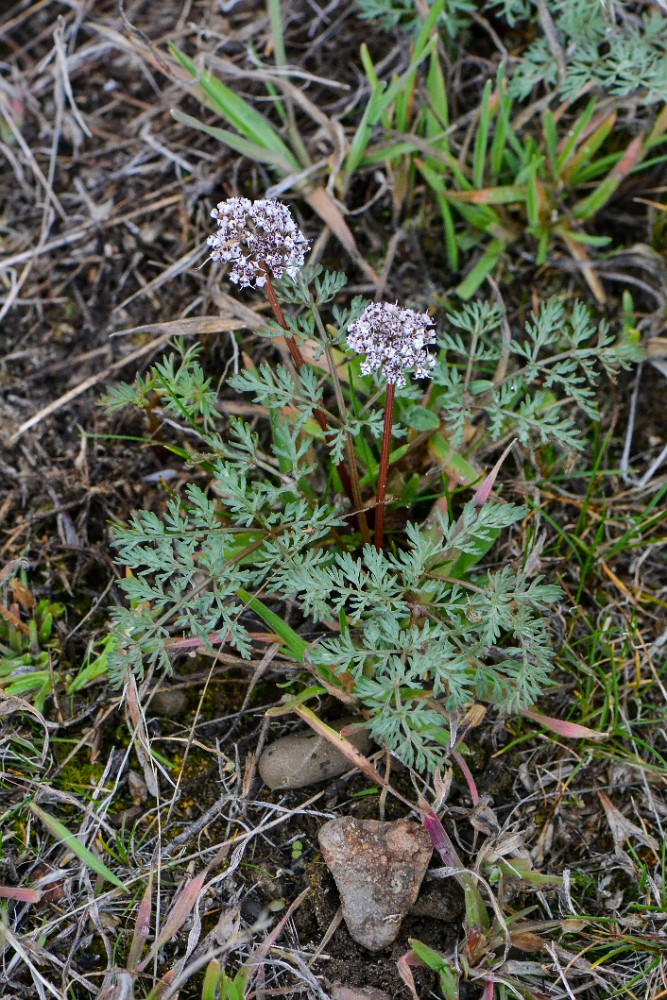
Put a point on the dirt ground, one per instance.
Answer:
(105, 211)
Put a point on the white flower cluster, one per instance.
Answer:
(257, 238)
(393, 339)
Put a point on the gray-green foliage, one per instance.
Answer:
(617, 47)
(419, 647)
(611, 46)
(392, 14)
(416, 631)
(529, 385)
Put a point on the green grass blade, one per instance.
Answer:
(588, 240)
(482, 137)
(403, 107)
(236, 142)
(402, 82)
(587, 150)
(542, 247)
(369, 66)
(375, 84)
(277, 36)
(211, 980)
(451, 242)
(426, 34)
(241, 115)
(271, 89)
(395, 456)
(498, 148)
(364, 130)
(551, 142)
(287, 704)
(60, 833)
(388, 153)
(440, 964)
(481, 217)
(284, 105)
(587, 207)
(93, 668)
(575, 135)
(485, 265)
(296, 645)
(598, 168)
(433, 171)
(436, 89)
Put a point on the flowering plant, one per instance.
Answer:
(409, 623)
(394, 341)
(258, 238)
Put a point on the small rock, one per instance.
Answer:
(167, 701)
(378, 868)
(306, 758)
(339, 992)
(136, 786)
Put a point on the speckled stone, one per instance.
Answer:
(378, 869)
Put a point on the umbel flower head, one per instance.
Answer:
(394, 340)
(258, 238)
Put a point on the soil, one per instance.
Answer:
(103, 230)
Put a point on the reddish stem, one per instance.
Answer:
(381, 492)
(297, 356)
(470, 781)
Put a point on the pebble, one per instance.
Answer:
(305, 758)
(378, 869)
(167, 701)
(339, 992)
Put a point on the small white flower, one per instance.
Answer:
(393, 339)
(257, 238)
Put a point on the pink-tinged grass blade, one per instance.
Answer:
(570, 730)
(476, 912)
(470, 781)
(483, 491)
(480, 497)
(162, 987)
(502, 195)
(404, 963)
(178, 914)
(441, 841)
(254, 965)
(355, 757)
(142, 928)
(20, 895)
(271, 938)
(587, 207)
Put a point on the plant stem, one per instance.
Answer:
(297, 356)
(320, 416)
(358, 503)
(381, 492)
